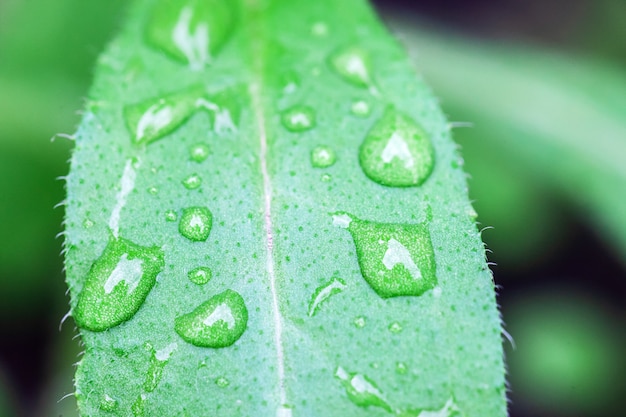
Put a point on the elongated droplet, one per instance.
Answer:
(323, 157)
(191, 31)
(361, 390)
(397, 152)
(200, 275)
(195, 223)
(192, 182)
(353, 65)
(139, 406)
(155, 118)
(449, 409)
(324, 292)
(117, 284)
(217, 323)
(158, 360)
(395, 259)
(298, 118)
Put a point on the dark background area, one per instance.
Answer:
(562, 300)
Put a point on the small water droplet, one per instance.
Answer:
(361, 390)
(319, 29)
(222, 382)
(298, 118)
(117, 284)
(108, 404)
(359, 322)
(395, 259)
(139, 406)
(192, 182)
(360, 108)
(195, 223)
(191, 31)
(218, 322)
(395, 327)
(323, 157)
(153, 190)
(155, 118)
(353, 65)
(199, 152)
(397, 152)
(171, 216)
(324, 292)
(158, 360)
(88, 223)
(401, 368)
(200, 275)
(326, 178)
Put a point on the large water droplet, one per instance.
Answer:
(155, 118)
(395, 259)
(193, 30)
(117, 284)
(298, 118)
(361, 390)
(218, 322)
(323, 157)
(195, 223)
(224, 109)
(192, 182)
(108, 404)
(353, 64)
(450, 409)
(200, 275)
(397, 152)
(158, 360)
(324, 292)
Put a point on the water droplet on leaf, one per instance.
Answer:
(324, 292)
(199, 152)
(108, 404)
(192, 182)
(359, 322)
(117, 284)
(222, 382)
(401, 368)
(155, 118)
(200, 275)
(298, 118)
(88, 224)
(395, 327)
(323, 157)
(395, 259)
(360, 108)
(158, 360)
(361, 390)
(217, 323)
(153, 190)
(171, 216)
(191, 31)
(326, 178)
(397, 152)
(450, 409)
(139, 406)
(195, 223)
(353, 65)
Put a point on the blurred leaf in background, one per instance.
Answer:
(543, 85)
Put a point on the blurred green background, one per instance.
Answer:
(536, 93)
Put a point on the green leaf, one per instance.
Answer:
(560, 118)
(290, 206)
